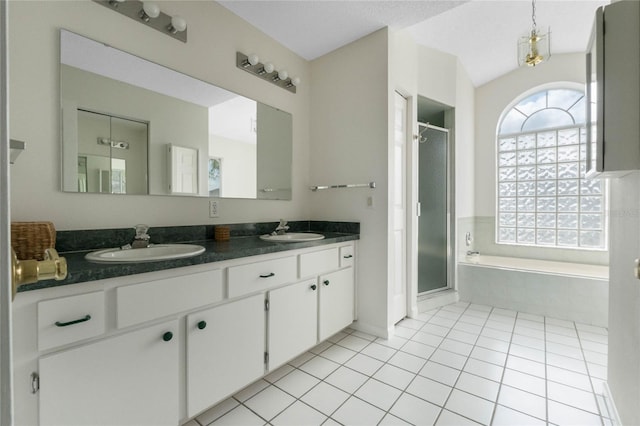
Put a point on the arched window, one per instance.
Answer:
(543, 198)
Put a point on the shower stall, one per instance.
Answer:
(435, 242)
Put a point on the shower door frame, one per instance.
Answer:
(450, 213)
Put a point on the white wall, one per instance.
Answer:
(349, 136)
(215, 35)
(239, 166)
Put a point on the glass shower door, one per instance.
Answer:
(433, 224)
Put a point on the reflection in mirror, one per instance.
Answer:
(130, 126)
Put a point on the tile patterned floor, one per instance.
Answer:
(458, 365)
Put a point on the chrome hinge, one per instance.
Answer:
(266, 304)
(35, 382)
(266, 357)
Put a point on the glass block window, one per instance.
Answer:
(543, 198)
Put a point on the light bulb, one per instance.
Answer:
(283, 75)
(149, 10)
(295, 81)
(178, 24)
(253, 59)
(268, 67)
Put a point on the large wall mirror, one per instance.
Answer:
(130, 126)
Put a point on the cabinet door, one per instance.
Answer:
(293, 321)
(336, 302)
(225, 351)
(130, 379)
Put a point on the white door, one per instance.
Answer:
(293, 321)
(399, 284)
(6, 380)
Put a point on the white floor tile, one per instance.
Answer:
(559, 323)
(598, 371)
(364, 364)
(297, 362)
(484, 369)
(391, 420)
(563, 331)
(478, 386)
(493, 344)
(522, 401)
(492, 333)
(591, 329)
(504, 312)
(504, 416)
(572, 396)
(325, 398)
(448, 314)
(415, 410)
(528, 332)
(594, 337)
(563, 340)
(358, 413)
(528, 353)
(299, 414)
(407, 362)
(319, 367)
(320, 347)
(427, 338)
(449, 359)
(504, 326)
(561, 414)
(530, 318)
(411, 323)
(569, 378)
(470, 328)
(436, 330)
(425, 316)
(297, 383)
(444, 322)
(394, 376)
(529, 342)
(395, 342)
(429, 390)
(596, 358)
(251, 390)
(487, 355)
(447, 418)
(440, 373)
(456, 347)
(462, 336)
(404, 332)
(564, 350)
(526, 366)
(217, 411)
(379, 394)
(278, 374)
(470, 406)
(418, 349)
(239, 416)
(595, 347)
(338, 354)
(269, 402)
(354, 343)
(485, 309)
(346, 379)
(378, 351)
(568, 363)
(337, 337)
(365, 336)
(525, 382)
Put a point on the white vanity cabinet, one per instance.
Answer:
(161, 347)
(131, 379)
(293, 321)
(225, 351)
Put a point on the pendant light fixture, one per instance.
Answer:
(535, 47)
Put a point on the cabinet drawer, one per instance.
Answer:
(147, 301)
(70, 319)
(261, 276)
(346, 256)
(318, 262)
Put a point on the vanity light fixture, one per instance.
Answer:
(536, 47)
(149, 13)
(266, 71)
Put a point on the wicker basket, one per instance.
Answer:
(221, 233)
(30, 239)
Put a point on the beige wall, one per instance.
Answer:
(215, 35)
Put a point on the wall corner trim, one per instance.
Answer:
(611, 406)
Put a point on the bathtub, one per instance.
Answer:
(563, 290)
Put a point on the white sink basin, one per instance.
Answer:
(292, 237)
(153, 253)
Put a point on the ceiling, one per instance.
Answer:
(483, 34)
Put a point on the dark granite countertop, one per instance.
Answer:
(80, 270)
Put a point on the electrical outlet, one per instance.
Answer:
(213, 208)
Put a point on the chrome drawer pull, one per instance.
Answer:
(65, 324)
(268, 275)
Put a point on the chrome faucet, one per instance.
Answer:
(141, 240)
(281, 228)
